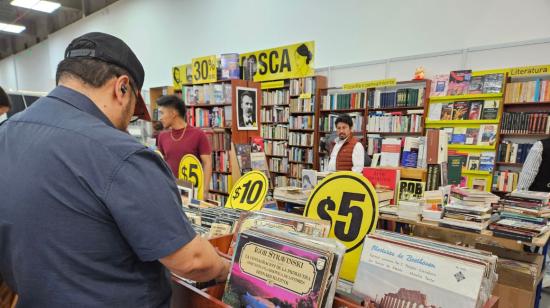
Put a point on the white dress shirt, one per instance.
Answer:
(357, 157)
(530, 167)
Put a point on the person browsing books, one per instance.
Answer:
(348, 153)
(535, 174)
(182, 138)
(89, 216)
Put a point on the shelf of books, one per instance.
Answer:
(212, 108)
(525, 120)
(468, 107)
(288, 117)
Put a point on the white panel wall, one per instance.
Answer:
(164, 33)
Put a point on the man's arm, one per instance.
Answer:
(198, 261)
(358, 158)
(530, 167)
(206, 161)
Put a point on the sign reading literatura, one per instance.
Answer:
(291, 61)
(529, 70)
(390, 82)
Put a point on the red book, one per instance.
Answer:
(383, 177)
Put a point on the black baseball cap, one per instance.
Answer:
(110, 49)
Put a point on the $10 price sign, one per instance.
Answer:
(191, 170)
(249, 192)
(350, 203)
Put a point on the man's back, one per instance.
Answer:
(71, 234)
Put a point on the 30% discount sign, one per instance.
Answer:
(349, 202)
(191, 170)
(249, 192)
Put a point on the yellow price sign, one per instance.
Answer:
(249, 192)
(180, 75)
(191, 170)
(349, 202)
(390, 82)
(205, 69)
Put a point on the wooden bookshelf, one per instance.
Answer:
(219, 192)
(471, 147)
(397, 108)
(504, 164)
(466, 97)
(525, 135)
(302, 130)
(396, 133)
(341, 110)
(461, 122)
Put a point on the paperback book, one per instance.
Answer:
(459, 82)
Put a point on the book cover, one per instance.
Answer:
(471, 135)
(459, 135)
(487, 134)
(492, 83)
(459, 82)
(447, 111)
(309, 178)
(243, 156)
(230, 68)
(391, 150)
(464, 181)
(408, 190)
(490, 110)
(454, 174)
(383, 178)
(461, 110)
(476, 85)
(473, 162)
(449, 131)
(475, 110)
(440, 84)
(479, 184)
(267, 272)
(434, 113)
(432, 279)
(487, 161)
(410, 152)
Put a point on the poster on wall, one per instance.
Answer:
(247, 113)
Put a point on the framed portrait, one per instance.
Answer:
(247, 111)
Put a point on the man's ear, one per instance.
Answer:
(122, 87)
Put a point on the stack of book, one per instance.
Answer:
(511, 152)
(274, 268)
(523, 215)
(385, 197)
(525, 123)
(397, 270)
(433, 205)
(528, 91)
(469, 210)
(410, 209)
(338, 101)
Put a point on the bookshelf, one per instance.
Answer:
(474, 130)
(213, 108)
(525, 120)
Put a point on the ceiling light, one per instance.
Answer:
(38, 5)
(11, 28)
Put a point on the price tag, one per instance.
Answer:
(249, 192)
(305, 95)
(205, 69)
(191, 170)
(349, 202)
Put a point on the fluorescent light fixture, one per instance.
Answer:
(38, 5)
(11, 28)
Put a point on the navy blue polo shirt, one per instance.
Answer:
(85, 210)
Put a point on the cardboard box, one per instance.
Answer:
(511, 297)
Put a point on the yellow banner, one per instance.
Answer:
(370, 84)
(305, 95)
(350, 203)
(291, 61)
(529, 70)
(181, 75)
(249, 192)
(205, 69)
(272, 84)
(191, 170)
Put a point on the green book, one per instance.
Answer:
(455, 163)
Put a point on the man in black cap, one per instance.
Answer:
(89, 217)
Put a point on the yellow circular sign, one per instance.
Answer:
(190, 170)
(249, 192)
(350, 203)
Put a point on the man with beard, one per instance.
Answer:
(348, 153)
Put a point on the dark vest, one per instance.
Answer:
(344, 160)
(542, 180)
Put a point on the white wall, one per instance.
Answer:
(164, 33)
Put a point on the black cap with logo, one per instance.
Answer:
(110, 49)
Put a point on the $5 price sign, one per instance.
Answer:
(191, 170)
(350, 203)
(249, 192)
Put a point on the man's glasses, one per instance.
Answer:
(134, 118)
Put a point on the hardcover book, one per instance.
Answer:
(383, 178)
(459, 82)
(391, 150)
